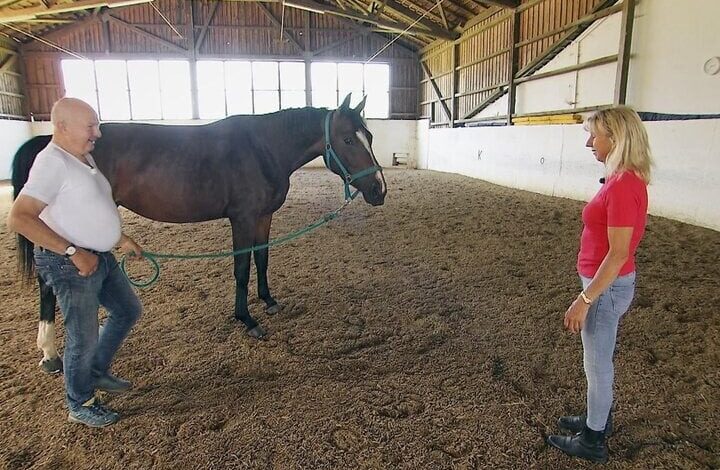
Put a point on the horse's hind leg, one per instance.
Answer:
(262, 235)
(243, 238)
(51, 362)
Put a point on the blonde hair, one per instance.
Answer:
(630, 146)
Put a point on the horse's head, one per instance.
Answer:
(350, 152)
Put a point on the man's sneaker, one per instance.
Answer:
(111, 384)
(93, 414)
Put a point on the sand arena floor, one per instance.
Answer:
(424, 334)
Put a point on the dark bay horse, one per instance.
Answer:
(237, 168)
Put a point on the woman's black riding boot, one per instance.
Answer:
(587, 444)
(577, 423)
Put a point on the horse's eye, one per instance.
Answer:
(348, 141)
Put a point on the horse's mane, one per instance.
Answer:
(300, 121)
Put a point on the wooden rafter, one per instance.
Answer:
(464, 10)
(146, 34)
(64, 31)
(278, 25)
(443, 17)
(504, 3)
(7, 62)
(436, 89)
(203, 32)
(20, 15)
(5, 3)
(601, 10)
(390, 26)
(413, 16)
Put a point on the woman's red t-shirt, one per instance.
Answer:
(621, 202)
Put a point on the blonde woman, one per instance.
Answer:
(613, 225)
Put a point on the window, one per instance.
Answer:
(238, 87)
(324, 84)
(350, 80)
(266, 87)
(112, 87)
(377, 88)
(331, 83)
(144, 78)
(161, 89)
(134, 89)
(175, 93)
(211, 89)
(242, 87)
(292, 85)
(79, 77)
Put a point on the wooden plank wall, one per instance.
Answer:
(241, 30)
(483, 54)
(12, 98)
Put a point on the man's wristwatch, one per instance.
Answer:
(70, 250)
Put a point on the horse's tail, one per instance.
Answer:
(23, 161)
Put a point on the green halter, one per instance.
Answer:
(347, 176)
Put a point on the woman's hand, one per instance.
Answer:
(575, 316)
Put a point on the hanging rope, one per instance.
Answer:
(401, 34)
(152, 4)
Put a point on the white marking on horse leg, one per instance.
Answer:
(46, 340)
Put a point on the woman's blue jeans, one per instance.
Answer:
(88, 354)
(598, 337)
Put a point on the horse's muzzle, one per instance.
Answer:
(375, 195)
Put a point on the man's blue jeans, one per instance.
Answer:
(87, 354)
(598, 337)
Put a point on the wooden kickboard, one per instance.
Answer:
(546, 120)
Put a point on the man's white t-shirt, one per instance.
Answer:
(80, 207)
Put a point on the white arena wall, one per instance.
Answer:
(553, 160)
(671, 42)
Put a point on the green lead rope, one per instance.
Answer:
(153, 257)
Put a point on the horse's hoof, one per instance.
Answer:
(258, 332)
(52, 366)
(273, 309)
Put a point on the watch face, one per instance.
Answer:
(69, 251)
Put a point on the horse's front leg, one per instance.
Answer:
(243, 236)
(262, 235)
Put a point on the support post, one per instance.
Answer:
(623, 63)
(513, 65)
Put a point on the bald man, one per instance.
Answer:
(67, 210)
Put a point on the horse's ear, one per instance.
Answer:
(361, 106)
(346, 102)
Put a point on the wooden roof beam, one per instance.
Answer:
(5, 3)
(319, 8)
(279, 26)
(413, 16)
(20, 15)
(504, 3)
(464, 10)
(157, 39)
